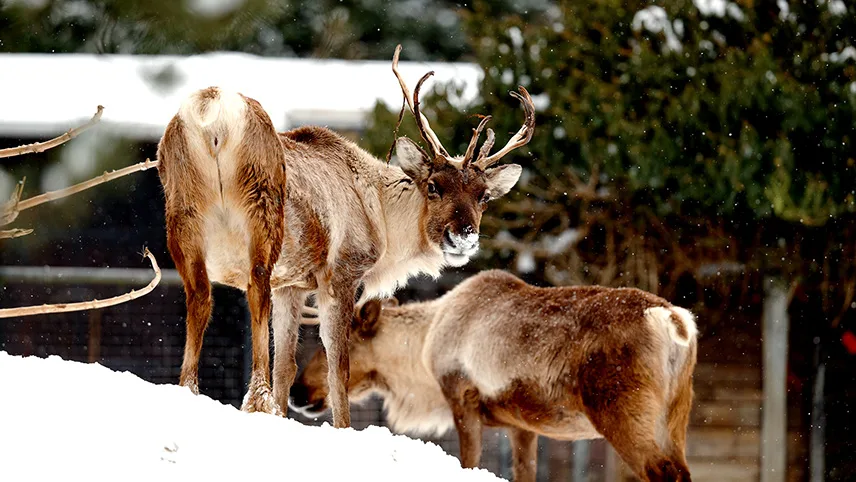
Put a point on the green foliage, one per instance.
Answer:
(352, 29)
(743, 116)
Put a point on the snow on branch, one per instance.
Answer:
(87, 305)
(655, 20)
(56, 141)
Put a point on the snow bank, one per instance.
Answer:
(141, 93)
(64, 420)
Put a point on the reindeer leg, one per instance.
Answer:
(463, 398)
(264, 252)
(287, 307)
(336, 311)
(524, 451)
(631, 421)
(185, 247)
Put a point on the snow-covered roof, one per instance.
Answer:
(43, 94)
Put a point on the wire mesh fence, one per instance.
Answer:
(146, 338)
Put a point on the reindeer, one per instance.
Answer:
(567, 363)
(343, 219)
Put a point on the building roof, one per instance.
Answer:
(44, 94)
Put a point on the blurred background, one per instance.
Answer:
(702, 150)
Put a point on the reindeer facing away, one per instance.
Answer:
(342, 219)
(567, 363)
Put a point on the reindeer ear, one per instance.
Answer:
(367, 318)
(501, 179)
(411, 158)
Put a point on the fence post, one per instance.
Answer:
(504, 455)
(582, 457)
(543, 470)
(774, 427)
(93, 349)
(817, 448)
(612, 466)
(248, 346)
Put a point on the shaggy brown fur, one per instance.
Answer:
(249, 192)
(346, 219)
(567, 363)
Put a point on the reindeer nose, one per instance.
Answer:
(447, 235)
(468, 230)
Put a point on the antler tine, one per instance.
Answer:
(487, 146)
(404, 88)
(424, 127)
(421, 122)
(522, 137)
(471, 148)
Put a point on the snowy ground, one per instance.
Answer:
(62, 420)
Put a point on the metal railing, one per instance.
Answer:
(50, 275)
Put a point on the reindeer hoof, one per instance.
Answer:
(260, 399)
(192, 385)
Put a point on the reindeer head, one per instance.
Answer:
(309, 391)
(457, 189)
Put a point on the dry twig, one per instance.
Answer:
(11, 208)
(87, 305)
(14, 233)
(56, 141)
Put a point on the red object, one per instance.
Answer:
(848, 339)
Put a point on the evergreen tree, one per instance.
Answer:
(676, 140)
(349, 29)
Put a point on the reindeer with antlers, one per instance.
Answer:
(343, 219)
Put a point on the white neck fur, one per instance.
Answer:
(407, 252)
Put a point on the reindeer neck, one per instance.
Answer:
(406, 251)
(403, 207)
(413, 399)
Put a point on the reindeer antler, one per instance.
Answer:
(521, 138)
(428, 135)
(471, 148)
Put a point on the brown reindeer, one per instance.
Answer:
(344, 219)
(567, 363)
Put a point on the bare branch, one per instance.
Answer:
(8, 211)
(14, 233)
(310, 311)
(309, 316)
(11, 208)
(56, 141)
(87, 305)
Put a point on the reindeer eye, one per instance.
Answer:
(432, 189)
(484, 198)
